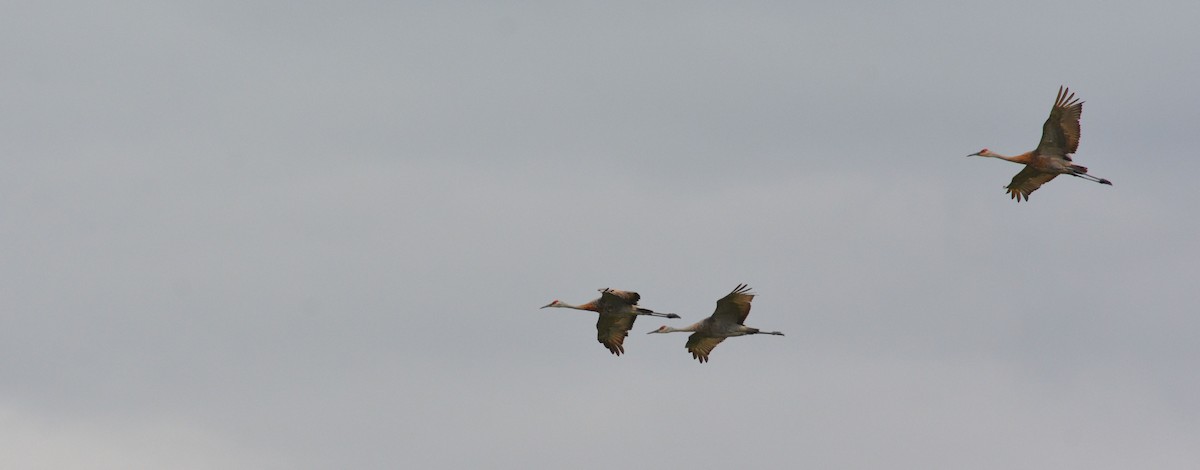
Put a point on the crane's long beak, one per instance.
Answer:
(976, 154)
(547, 305)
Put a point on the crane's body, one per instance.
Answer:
(727, 321)
(618, 310)
(1060, 139)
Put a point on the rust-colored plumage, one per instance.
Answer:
(618, 310)
(1060, 139)
(727, 320)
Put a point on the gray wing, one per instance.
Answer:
(611, 331)
(735, 306)
(1060, 133)
(613, 295)
(615, 302)
(1027, 181)
(700, 346)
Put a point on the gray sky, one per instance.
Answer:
(310, 236)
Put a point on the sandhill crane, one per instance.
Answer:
(1060, 138)
(617, 309)
(728, 320)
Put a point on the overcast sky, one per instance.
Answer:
(315, 235)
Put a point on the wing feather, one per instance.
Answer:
(735, 306)
(615, 302)
(1060, 133)
(611, 331)
(700, 346)
(1028, 181)
(626, 297)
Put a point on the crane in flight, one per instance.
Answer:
(618, 309)
(728, 320)
(1052, 157)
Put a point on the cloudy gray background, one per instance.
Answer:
(299, 235)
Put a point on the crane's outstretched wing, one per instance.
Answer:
(735, 306)
(1027, 181)
(700, 346)
(1060, 133)
(613, 295)
(611, 331)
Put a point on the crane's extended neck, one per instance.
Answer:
(667, 329)
(590, 306)
(988, 153)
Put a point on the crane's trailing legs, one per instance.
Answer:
(652, 313)
(1090, 178)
